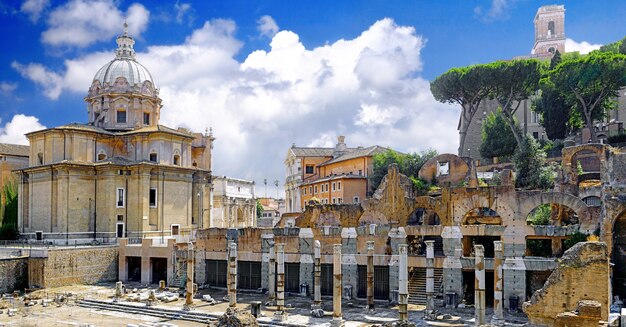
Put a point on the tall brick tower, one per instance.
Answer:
(549, 30)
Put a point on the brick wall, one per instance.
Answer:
(87, 265)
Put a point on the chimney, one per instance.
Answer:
(340, 148)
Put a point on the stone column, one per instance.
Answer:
(403, 283)
(271, 282)
(497, 281)
(430, 276)
(349, 268)
(267, 242)
(452, 267)
(317, 297)
(397, 236)
(370, 275)
(190, 268)
(337, 319)
(280, 282)
(306, 257)
(479, 284)
(232, 274)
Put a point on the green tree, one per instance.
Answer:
(589, 84)
(532, 171)
(552, 107)
(510, 83)
(259, 209)
(408, 164)
(498, 140)
(464, 86)
(8, 230)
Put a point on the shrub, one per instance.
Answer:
(574, 239)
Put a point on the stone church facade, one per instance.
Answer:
(121, 174)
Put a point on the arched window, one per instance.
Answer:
(40, 158)
(551, 28)
(101, 156)
(176, 160)
(153, 157)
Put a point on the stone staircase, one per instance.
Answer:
(180, 271)
(417, 285)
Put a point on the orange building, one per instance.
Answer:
(343, 178)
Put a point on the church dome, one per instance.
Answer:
(124, 65)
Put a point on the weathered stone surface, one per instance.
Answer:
(235, 318)
(570, 283)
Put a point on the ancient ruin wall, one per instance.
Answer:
(69, 266)
(13, 274)
(582, 274)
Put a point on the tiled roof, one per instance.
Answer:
(356, 153)
(312, 152)
(14, 149)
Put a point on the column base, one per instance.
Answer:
(337, 322)
(497, 321)
(280, 316)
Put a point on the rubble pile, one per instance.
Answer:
(235, 318)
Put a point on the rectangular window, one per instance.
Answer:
(120, 197)
(153, 198)
(360, 172)
(153, 157)
(339, 186)
(355, 199)
(334, 186)
(339, 200)
(309, 169)
(315, 189)
(146, 118)
(121, 116)
(334, 200)
(443, 168)
(120, 217)
(310, 190)
(304, 191)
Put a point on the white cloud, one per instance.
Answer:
(7, 88)
(499, 10)
(366, 88)
(266, 25)
(80, 22)
(13, 131)
(183, 10)
(583, 47)
(34, 8)
(38, 73)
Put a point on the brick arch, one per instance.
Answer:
(434, 204)
(569, 153)
(501, 206)
(528, 201)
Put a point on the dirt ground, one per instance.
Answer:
(298, 310)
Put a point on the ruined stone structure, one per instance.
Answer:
(582, 275)
(121, 174)
(233, 202)
(452, 220)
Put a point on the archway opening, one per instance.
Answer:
(482, 216)
(423, 216)
(552, 214)
(619, 256)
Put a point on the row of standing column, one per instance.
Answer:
(277, 253)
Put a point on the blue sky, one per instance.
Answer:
(266, 74)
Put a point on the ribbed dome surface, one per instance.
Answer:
(133, 71)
